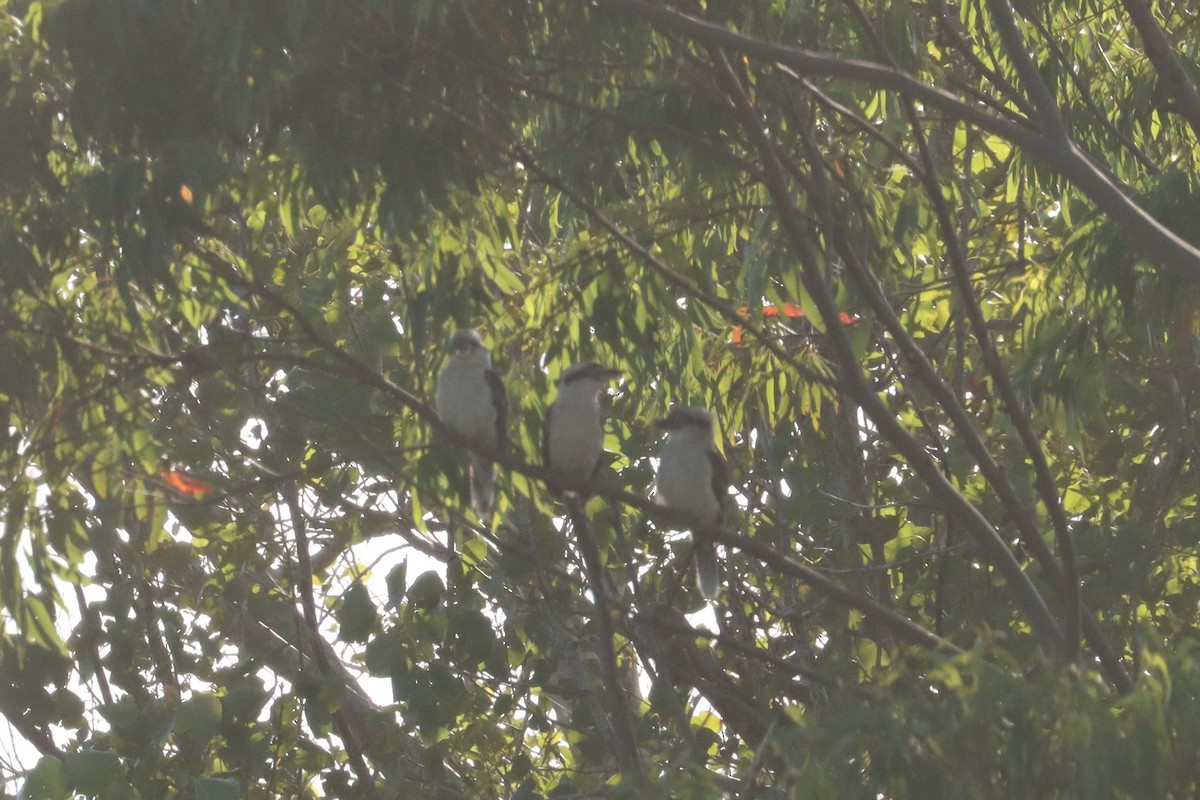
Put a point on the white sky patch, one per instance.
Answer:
(253, 433)
(375, 558)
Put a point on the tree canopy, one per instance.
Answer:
(932, 265)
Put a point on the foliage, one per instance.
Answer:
(931, 265)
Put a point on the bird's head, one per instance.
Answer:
(466, 341)
(688, 418)
(467, 349)
(590, 371)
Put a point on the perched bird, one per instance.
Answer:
(470, 399)
(574, 436)
(692, 477)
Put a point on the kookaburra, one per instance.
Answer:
(470, 399)
(574, 436)
(692, 477)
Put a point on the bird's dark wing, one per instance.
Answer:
(720, 481)
(708, 570)
(546, 437)
(500, 401)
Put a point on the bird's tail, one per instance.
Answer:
(483, 485)
(708, 571)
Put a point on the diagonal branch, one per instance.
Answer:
(1060, 154)
(345, 730)
(275, 631)
(1162, 55)
(1068, 584)
(949, 27)
(1035, 86)
(345, 364)
(900, 626)
(860, 388)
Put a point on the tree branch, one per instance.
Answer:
(1068, 587)
(273, 629)
(626, 749)
(347, 365)
(856, 384)
(1068, 584)
(900, 626)
(1162, 55)
(350, 738)
(1061, 155)
(949, 27)
(1035, 85)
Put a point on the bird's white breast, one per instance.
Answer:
(464, 402)
(684, 479)
(576, 437)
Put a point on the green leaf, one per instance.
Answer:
(45, 781)
(39, 627)
(286, 217)
(386, 656)
(397, 583)
(217, 789)
(68, 707)
(470, 636)
(102, 470)
(474, 550)
(91, 771)
(243, 700)
(357, 615)
(810, 308)
(426, 591)
(198, 720)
